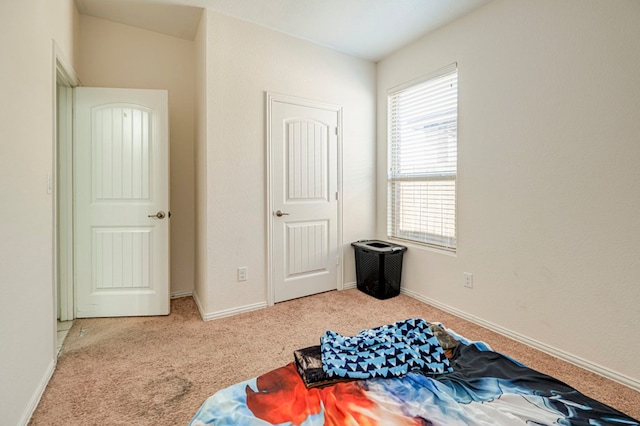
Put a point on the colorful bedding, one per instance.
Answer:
(485, 388)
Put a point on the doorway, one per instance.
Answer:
(138, 274)
(60, 184)
(62, 187)
(304, 184)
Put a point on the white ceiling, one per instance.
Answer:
(368, 29)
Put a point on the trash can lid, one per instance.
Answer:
(379, 246)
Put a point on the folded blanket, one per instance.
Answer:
(387, 351)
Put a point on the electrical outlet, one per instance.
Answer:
(243, 273)
(468, 280)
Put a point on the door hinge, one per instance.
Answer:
(337, 131)
(338, 261)
(337, 196)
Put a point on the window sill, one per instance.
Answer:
(424, 247)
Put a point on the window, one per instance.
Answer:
(423, 123)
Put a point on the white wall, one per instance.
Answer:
(243, 61)
(200, 164)
(27, 307)
(548, 183)
(116, 55)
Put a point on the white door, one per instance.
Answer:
(304, 193)
(121, 187)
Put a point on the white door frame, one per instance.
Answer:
(61, 185)
(270, 99)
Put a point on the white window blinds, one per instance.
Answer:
(423, 123)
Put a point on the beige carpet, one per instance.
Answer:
(159, 370)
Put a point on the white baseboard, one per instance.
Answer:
(241, 309)
(348, 286)
(227, 312)
(37, 395)
(178, 294)
(233, 311)
(558, 353)
(198, 305)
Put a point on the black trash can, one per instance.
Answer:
(378, 267)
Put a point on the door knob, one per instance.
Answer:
(280, 214)
(159, 215)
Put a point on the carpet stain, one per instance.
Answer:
(168, 389)
(156, 399)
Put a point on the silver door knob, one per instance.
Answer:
(280, 214)
(159, 215)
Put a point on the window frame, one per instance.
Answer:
(442, 240)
